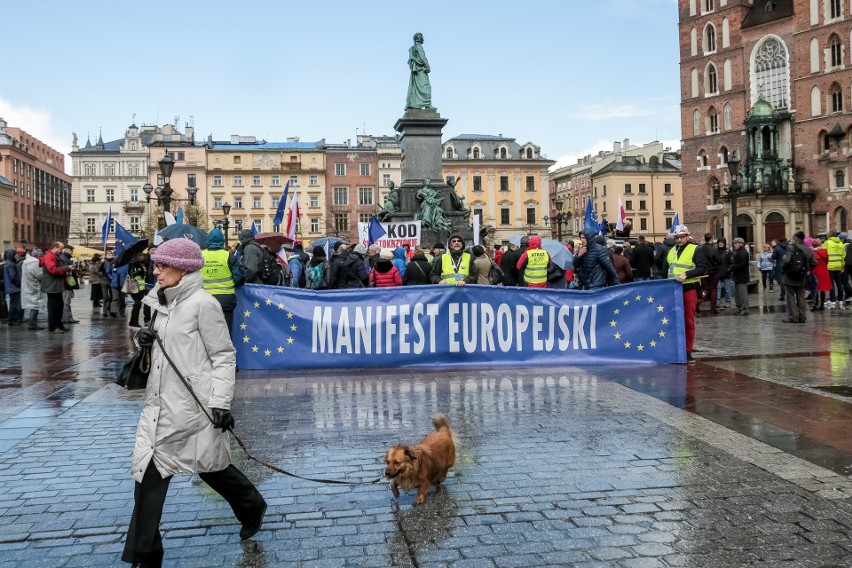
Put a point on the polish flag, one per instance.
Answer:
(282, 255)
(293, 217)
(619, 223)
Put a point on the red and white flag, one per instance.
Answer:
(619, 223)
(293, 217)
(282, 255)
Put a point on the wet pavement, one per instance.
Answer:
(738, 459)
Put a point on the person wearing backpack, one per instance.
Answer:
(347, 269)
(297, 262)
(796, 264)
(836, 260)
(251, 260)
(316, 270)
(222, 275)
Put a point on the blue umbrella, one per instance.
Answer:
(559, 253)
(327, 242)
(180, 231)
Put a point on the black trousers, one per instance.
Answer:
(229, 304)
(144, 543)
(55, 305)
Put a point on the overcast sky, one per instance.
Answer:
(569, 75)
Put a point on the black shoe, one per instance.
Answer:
(36, 328)
(249, 531)
(14, 323)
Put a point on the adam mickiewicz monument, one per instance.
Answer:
(424, 194)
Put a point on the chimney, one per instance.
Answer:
(626, 144)
(616, 147)
(235, 138)
(189, 132)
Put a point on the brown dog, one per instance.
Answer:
(424, 464)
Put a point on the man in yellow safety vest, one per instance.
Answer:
(686, 264)
(222, 274)
(533, 264)
(454, 266)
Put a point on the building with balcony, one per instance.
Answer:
(41, 188)
(505, 183)
(250, 175)
(766, 83)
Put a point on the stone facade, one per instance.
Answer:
(41, 188)
(796, 56)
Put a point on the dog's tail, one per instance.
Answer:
(439, 421)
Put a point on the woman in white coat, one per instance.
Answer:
(174, 434)
(31, 297)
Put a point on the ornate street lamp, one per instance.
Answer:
(226, 210)
(733, 191)
(167, 164)
(560, 217)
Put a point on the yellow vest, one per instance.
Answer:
(683, 264)
(536, 271)
(450, 274)
(216, 273)
(836, 253)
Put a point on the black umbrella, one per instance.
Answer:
(181, 231)
(125, 256)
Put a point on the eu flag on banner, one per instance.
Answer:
(123, 239)
(375, 231)
(282, 206)
(107, 227)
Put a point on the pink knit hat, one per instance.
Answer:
(183, 254)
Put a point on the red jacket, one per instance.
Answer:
(53, 264)
(386, 279)
(820, 272)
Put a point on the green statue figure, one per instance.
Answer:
(391, 204)
(419, 88)
(431, 213)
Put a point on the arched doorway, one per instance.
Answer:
(745, 227)
(774, 227)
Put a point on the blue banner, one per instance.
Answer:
(292, 328)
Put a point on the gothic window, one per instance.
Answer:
(726, 33)
(816, 102)
(839, 179)
(714, 121)
(834, 9)
(814, 53)
(711, 85)
(709, 39)
(728, 117)
(693, 42)
(836, 51)
(770, 72)
(709, 5)
(693, 82)
(836, 98)
(726, 74)
(723, 156)
(702, 159)
(696, 123)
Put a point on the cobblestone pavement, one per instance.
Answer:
(735, 460)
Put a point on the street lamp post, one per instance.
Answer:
(226, 210)
(164, 194)
(560, 217)
(733, 191)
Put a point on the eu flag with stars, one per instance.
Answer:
(375, 231)
(123, 239)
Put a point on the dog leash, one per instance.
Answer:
(240, 442)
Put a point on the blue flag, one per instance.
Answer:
(375, 231)
(107, 227)
(179, 216)
(675, 222)
(254, 230)
(590, 222)
(282, 207)
(123, 239)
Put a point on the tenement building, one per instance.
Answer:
(41, 190)
(767, 83)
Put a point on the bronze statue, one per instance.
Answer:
(431, 213)
(419, 87)
(456, 200)
(391, 205)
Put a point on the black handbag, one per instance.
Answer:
(134, 373)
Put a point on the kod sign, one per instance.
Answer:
(396, 234)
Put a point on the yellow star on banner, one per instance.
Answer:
(267, 352)
(280, 349)
(640, 347)
(243, 326)
(280, 306)
(246, 339)
(650, 299)
(293, 327)
(660, 308)
(290, 340)
(616, 312)
(665, 321)
(257, 304)
(247, 313)
(626, 302)
(627, 345)
(653, 343)
(268, 302)
(254, 349)
(613, 323)
(638, 297)
(662, 333)
(290, 315)
(617, 336)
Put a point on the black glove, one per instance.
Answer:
(145, 337)
(222, 419)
